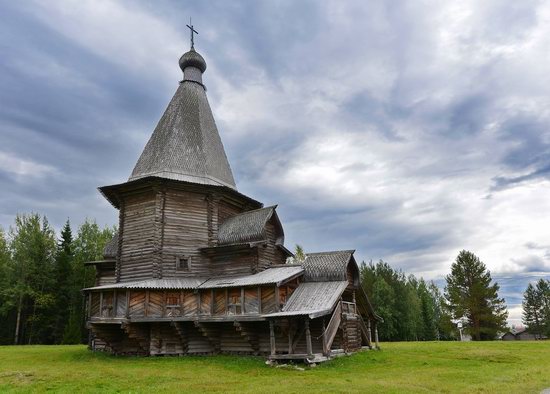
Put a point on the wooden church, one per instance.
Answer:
(199, 268)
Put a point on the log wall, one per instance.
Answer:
(137, 246)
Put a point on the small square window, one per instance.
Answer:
(183, 263)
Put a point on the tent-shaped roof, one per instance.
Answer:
(186, 145)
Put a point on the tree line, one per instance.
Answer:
(536, 308)
(413, 309)
(41, 277)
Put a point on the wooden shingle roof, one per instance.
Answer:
(245, 227)
(313, 298)
(186, 145)
(111, 247)
(327, 266)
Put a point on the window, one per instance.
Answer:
(183, 263)
(235, 306)
(172, 301)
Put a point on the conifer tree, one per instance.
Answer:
(63, 277)
(536, 308)
(471, 294)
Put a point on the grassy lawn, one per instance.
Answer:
(493, 367)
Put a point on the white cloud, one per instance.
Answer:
(22, 168)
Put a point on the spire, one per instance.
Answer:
(186, 145)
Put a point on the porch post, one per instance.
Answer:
(272, 337)
(376, 335)
(308, 338)
(289, 337)
(369, 333)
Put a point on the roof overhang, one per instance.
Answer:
(113, 192)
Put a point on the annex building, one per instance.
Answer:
(199, 268)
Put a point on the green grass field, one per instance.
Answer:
(493, 367)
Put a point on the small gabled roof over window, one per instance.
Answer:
(249, 226)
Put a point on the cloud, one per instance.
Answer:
(407, 131)
(23, 168)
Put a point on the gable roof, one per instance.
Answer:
(246, 227)
(111, 247)
(313, 298)
(186, 145)
(327, 266)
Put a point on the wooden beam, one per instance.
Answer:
(259, 300)
(226, 301)
(324, 339)
(242, 301)
(289, 336)
(369, 333)
(127, 303)
(115, 303)
(212, 301)
(277, 295)
(272, 337)
(100, 304)
(146, 306)
(308, 337)
(376, 335)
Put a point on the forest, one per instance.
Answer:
(41, 276)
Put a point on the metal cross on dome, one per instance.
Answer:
(190, 26)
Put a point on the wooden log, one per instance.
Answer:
(272, 337)
(308, 338)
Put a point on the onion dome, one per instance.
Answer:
(192, 59)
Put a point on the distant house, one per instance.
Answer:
(522, 334)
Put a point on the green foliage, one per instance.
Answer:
(41, 279)
(471, 294)
(536, 308)
(299, 254)
(411, 309)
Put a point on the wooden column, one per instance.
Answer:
(100, 304)
(324, 339)
(289, 337)
(146, 306)
(272, 337)
(308, 338)
(115, 304)
(242, 301)
(376, 335)
(369, 333)
(127, 303)
(277, 297)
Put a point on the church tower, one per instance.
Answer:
(180, 190)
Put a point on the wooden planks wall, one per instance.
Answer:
(251, 300)
(185, 231)
(269, 254)
(137, 303)
(268, 300)
(136, 254)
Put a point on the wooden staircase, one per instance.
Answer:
(332, 328)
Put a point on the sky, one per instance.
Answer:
(407, 130)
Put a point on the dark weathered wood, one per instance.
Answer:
(272, 337)
(308, 337)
